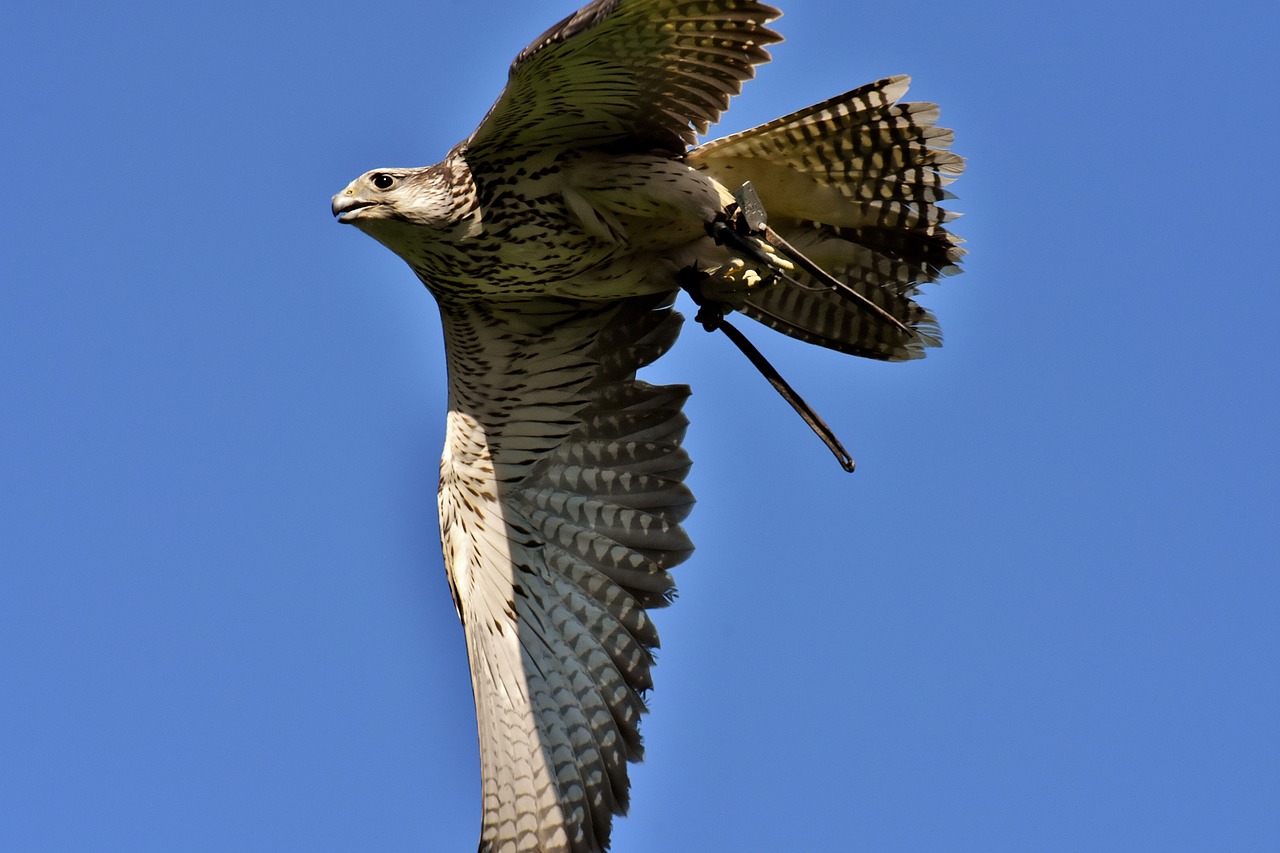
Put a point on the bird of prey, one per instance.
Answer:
(555, 239)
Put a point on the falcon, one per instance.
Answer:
(555, 240)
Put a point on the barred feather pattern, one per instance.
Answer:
(561, 497)
(554, 239)
(644, 73)
(855, 183)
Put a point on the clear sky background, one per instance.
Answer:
(1043, 615)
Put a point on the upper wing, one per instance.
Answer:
(561, 497)
(646, 73)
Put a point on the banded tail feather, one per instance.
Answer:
(854, 183)
(555, 238)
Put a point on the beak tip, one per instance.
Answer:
(343, 203)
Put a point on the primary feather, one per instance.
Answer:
(555, 239)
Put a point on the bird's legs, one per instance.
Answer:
(744, 229)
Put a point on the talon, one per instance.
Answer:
(710, 316)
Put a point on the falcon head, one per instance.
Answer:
(389, 204)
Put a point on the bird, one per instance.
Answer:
(555, 240)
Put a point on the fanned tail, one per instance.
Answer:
(854, 184)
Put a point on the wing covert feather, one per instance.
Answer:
(561, 499)
(645, 74)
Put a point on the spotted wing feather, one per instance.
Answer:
(561, 499)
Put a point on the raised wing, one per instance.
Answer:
(561, 497)
(642, 74)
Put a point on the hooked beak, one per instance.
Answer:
(347, 205)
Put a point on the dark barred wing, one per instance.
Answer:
(639, 75)
(561, 499)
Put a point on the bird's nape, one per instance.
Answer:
(555, 239)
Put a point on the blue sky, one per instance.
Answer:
(1041, 616)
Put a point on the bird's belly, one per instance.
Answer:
(599, 228)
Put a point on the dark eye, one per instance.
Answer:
(383, 181)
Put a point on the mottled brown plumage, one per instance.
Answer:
(555, 239)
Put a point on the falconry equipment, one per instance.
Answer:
(555, 240)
